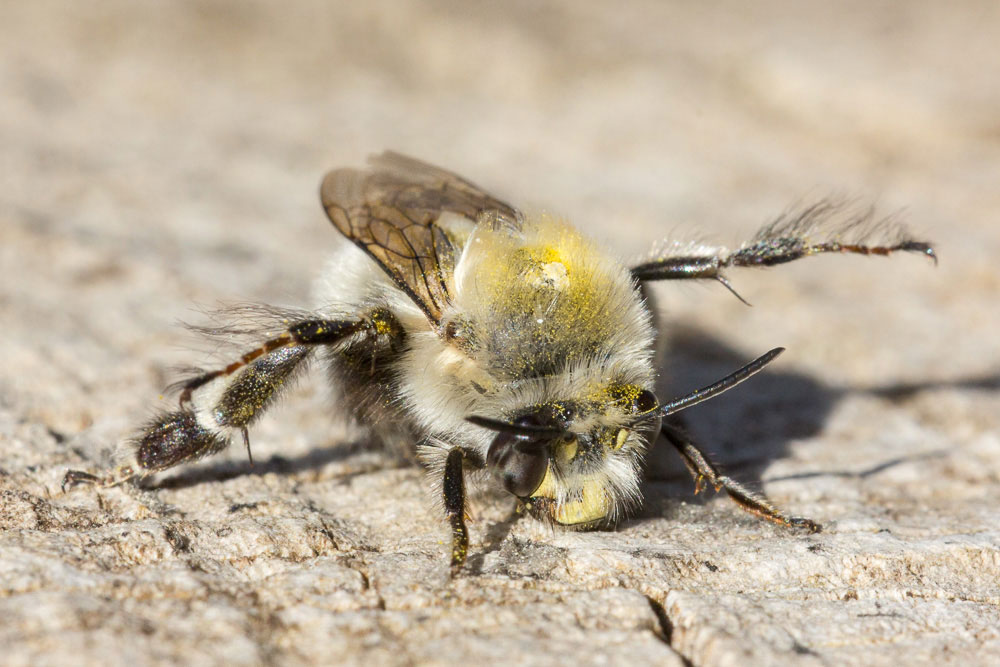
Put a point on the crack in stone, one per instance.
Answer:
(666, 627)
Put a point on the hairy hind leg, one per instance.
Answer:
(217, 404)
(165, 441)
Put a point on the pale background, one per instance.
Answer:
(162, 157)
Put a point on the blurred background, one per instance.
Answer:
(161, 154)
(159, 158)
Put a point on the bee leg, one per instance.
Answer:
(803, 234)
(305, 333)
(165, 441)
(454, 506)
(251, 391)
(119, 475)
(704, 471)
(258, 377)
(207, 420)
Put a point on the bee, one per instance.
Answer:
(489, 341)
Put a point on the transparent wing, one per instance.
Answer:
(392, 212)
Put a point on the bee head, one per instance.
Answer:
(574, 463)
(577, 463)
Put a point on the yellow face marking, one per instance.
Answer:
(620, 440)
(566, 452)
(592, 505)
(547, 489)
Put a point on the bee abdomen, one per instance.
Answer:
(174, 437)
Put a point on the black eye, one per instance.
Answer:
(519, 462)
(644, 402)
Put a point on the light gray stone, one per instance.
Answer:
(160, 158)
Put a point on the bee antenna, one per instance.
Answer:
(716, 388)
(520, 430)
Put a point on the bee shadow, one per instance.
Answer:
(746, 429)
(369, 458)
(743, 431)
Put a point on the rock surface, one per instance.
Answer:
(159, 157)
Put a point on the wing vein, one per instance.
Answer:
(391, 211)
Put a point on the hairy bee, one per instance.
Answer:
(488, 340)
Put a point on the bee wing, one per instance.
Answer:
(391, 211)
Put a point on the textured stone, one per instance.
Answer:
(163, 158)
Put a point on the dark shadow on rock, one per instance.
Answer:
(902, 392)
(311, 460)
(496, 535)
(747, 428)
(869, 471)
(742, 431)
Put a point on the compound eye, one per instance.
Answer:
(644, 402)
(519, 463)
